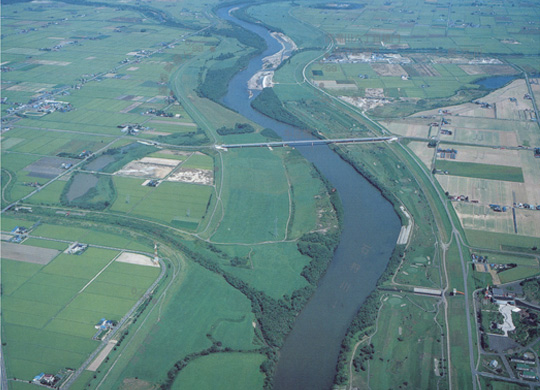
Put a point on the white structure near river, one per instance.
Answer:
(264, 77)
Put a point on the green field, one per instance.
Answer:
(481, 171)
(405, 342)
(203, 304)
(230, 371)
(256, 188)
(50, 311)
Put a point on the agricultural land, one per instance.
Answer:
(139, 252)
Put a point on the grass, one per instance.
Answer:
(481, 171)
(198, 304)
(223, 371)
(199, 161)
(255, 186)
(49, 318)
(272, 268)
(175, 202)
(499, 241)
(413, 349)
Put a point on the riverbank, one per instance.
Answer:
(370, 230)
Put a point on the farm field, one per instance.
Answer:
(203, 301)
(259, 189)
(231, 372)
(50, 310)
(110, 118)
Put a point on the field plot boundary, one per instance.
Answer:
(28, 254)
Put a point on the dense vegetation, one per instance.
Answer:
(239, 128)
(269, 133)
(214, 83)
(320, 248)
(193, 138)
(125, 154)
(269, 104)
(98, 197)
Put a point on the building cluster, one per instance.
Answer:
(462, 198)
(60, 46)
(46, 379)
(447, 153)
(19, 234)
(103, 327)
(363, 57)
(480, 264)
(76, 248)
(498, 208)
(132, 128)
(45, 107)
(526, 206)
(160, 113)
(483, 104)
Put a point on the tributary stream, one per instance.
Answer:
(370, 229)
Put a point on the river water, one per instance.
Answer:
(370, 229)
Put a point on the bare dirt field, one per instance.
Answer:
(408, 128)
(374, 93)
(486, 155)
(173, 123)
(389, 70)
(191, 175)
(332, 84)
(135, 258)
(491, 69)
(425, 154)
(364, 103)
(48, 167)
(27, 253)
(131, 107)
(149, 167)
(101, 356)
(504, 107)
(485, 191)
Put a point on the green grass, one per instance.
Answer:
(255, 185)
(405, 354)
(198, 306)
(175, 201)
(273, 268)
(129, 193)
(481, 171)
(224, 371)
(50, 195)
(61, 246)
(48, 318)
(199, 161)
(498, 241)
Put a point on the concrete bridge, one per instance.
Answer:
(310, 142)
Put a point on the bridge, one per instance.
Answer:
(309, 142)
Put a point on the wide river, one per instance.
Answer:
(370, 229)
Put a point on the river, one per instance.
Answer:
(370, 228)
